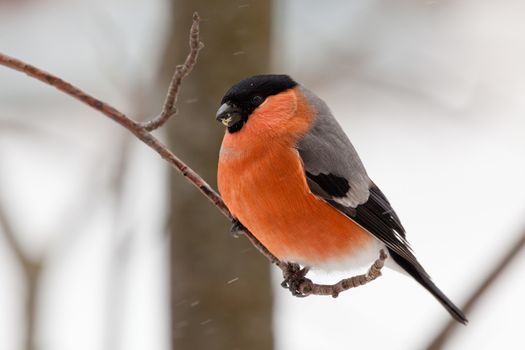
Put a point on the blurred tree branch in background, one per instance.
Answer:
(33, 267)
(31, 270)
(121, 236)
(488, 282)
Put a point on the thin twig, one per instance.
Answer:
(142, 132)
(169, 109)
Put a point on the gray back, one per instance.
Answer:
(326, 149)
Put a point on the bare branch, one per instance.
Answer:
(142, 132)
(295, 281)
(181, 72)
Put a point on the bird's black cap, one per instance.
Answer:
(263, 85)
(249, 93)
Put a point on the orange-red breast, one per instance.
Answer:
(289, 174)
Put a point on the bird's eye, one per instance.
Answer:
(257, 100)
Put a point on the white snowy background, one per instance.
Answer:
(430, 92)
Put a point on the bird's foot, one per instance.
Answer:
(295, 280)
(237, 228)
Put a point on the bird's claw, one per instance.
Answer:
(237, 228)
(294, 278)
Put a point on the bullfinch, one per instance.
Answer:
(289, 174)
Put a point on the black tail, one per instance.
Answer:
(422, 277)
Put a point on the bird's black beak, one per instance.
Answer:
(228, 114)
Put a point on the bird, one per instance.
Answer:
(290, 175)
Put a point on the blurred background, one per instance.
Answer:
(103, 246)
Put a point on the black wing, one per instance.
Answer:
(375, 214)
(377, 217)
